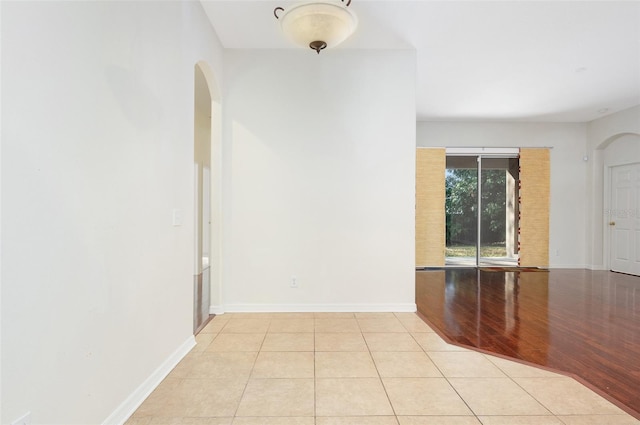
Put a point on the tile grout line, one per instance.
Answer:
(531, 395)
(244, 390)
(447, 379)
(384, 387)
(315, 386)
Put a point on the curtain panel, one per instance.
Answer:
(430, 214)
(533, 232)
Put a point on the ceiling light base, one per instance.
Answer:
(318, 45)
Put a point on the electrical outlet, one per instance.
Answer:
(294, 282)
(23, 420)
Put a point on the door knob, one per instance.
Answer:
(612, 223)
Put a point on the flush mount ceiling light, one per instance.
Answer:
(318, 24)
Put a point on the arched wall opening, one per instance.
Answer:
(613, 151)
(207, 195)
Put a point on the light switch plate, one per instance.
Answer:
(177, 217)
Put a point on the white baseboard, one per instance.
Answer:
(569, 266)
(320, 308)
(216, 309)
(126, 409)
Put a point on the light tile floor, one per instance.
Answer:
(358, 369)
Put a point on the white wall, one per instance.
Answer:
(568, 210)
(612, 140)
(97, 144)
(322, 149)
(602, 129)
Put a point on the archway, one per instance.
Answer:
(207, 198)
(619, 153)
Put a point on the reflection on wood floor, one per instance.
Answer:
(582, 322)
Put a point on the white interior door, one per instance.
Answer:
(624, 219)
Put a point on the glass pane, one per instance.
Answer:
(498, 234)
(461, 209)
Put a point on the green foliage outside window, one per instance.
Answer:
(461, 206)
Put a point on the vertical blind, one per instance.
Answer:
(430, 217)
(534, 207)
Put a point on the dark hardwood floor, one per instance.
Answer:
(581, 322)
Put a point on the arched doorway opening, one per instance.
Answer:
(620, 162)
(207, 176)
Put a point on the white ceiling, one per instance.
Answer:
(562, 61)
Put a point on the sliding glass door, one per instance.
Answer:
(461, 210)
(481, 210)
(499, 211)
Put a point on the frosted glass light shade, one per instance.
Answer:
(329, 22)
